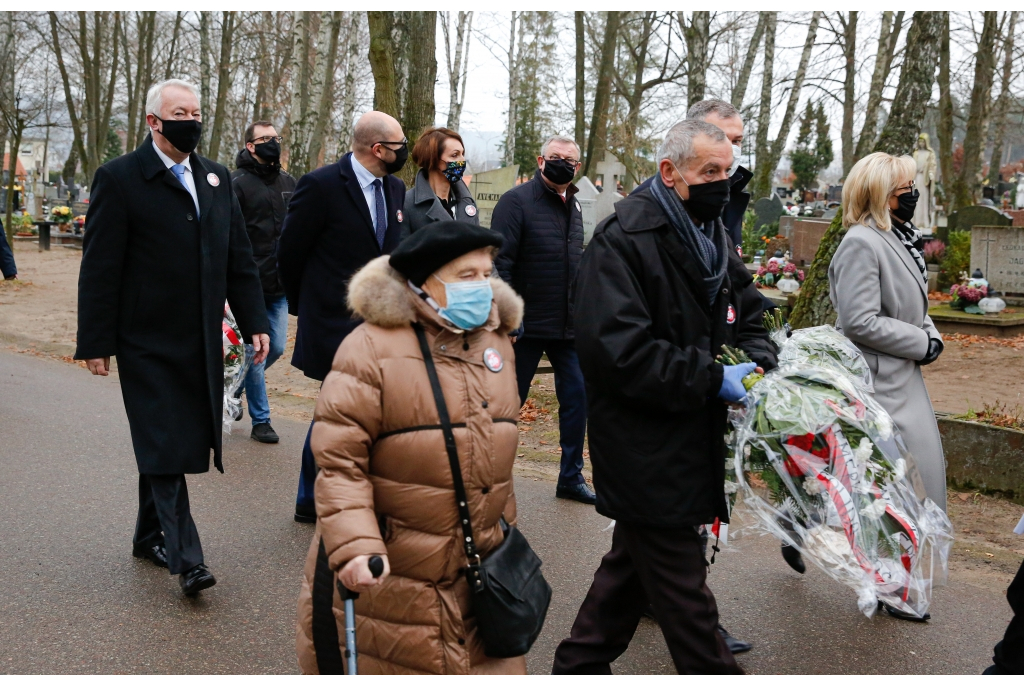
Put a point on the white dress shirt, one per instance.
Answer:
(366, 179)
(190, 183)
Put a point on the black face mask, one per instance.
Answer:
(183, 134)
(401, 154)
(908, 203)
(559, 171)
(269, 151)
(707, 200)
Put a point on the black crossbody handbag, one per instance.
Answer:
(510, 595)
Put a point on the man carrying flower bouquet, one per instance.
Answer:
(658, 294)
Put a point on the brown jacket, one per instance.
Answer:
(385, 485)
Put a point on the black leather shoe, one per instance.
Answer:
(903, 615)
(262, 432)
(735, 645)
(305, 514)
(196, 579)
(794, 558)
(580, 492)
(157, 554)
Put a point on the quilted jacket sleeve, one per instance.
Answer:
(347, 420)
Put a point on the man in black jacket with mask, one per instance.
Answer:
(263, 191)
(658, 294)
(542, 224)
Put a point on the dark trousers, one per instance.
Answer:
(571, 393)
(1009, 652)
(664, 566)
(307, 474)
(164, 516)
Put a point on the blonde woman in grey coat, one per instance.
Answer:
(879, 290)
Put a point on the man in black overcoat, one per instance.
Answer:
(660, 290)
(341, 216)
(165, 247)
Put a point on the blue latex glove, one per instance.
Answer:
(732, 389)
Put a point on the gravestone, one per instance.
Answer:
(611, 172)
(605, 204)
(79, 208)
(786, 225)
(999, 252)
(767, 210)
(51, 192)
(975, 215)
(587, 194)
(487, 187)
(807, 235)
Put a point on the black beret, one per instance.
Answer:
(438, 243)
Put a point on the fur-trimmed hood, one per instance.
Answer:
(380, 295)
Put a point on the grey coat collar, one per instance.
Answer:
(423, 196)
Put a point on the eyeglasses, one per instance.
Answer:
(570, 160)
(266, 139)
(909, 188)
(401, 143)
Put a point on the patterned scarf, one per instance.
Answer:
(711, 258)
(912, 239)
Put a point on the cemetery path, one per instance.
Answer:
(75, 601)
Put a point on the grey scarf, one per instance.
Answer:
(710, 257)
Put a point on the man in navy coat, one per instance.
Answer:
(341, 216)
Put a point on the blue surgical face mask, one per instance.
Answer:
(469, 303)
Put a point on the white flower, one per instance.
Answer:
(863, 452)
(901, 469)
(812, 486)
(731, 487)
(874, 510)
(730, 463)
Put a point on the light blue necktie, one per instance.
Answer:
(179, 173)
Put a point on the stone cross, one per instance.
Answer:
(611, 171)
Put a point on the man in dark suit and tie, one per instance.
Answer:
(166, 246)
(341, 216)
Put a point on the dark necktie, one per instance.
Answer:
(382, 212)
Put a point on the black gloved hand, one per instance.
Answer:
(934, 350)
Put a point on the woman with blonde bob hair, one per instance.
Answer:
(879, 288)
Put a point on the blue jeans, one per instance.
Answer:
(255, 386)
(571, 393)
(307, 474)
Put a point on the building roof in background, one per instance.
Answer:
(20, 171)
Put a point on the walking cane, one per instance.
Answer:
(376, 565)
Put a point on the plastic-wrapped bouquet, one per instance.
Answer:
(820, 465)
(237, 359)
(827, 347)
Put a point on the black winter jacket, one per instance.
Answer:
(541, 253)
(263, 193)
(647, 340)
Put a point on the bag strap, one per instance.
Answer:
(473, 573)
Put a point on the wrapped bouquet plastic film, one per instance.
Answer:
(825, 346)
(819, 464)
(237, 359)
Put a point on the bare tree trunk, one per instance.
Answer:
(465, 71)
(967, 183)
(597, 141)
(421, 33)
(382, 63)
(698, 37)
(76, 123)
(740, 91)
(18, 129)
(144, 78)
(456, 67)
(762, 188)
(169, 69)
(766, 167)
(326, 99)
(1003, 104)
(205, 106)
(849, 87)
(223, 81)
(945, 124)
(915, 88)
(581, 81)
(889, 33)
(351, 60)
(132, 87)
(513, 88)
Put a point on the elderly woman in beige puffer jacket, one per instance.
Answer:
(385, 484)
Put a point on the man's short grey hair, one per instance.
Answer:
(701, 110)
(155, 95)
(560, 139)
(678, 144)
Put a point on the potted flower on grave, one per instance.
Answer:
(966, 298)
(61, 215)
(788, 283)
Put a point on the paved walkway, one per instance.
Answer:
(73, 600)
